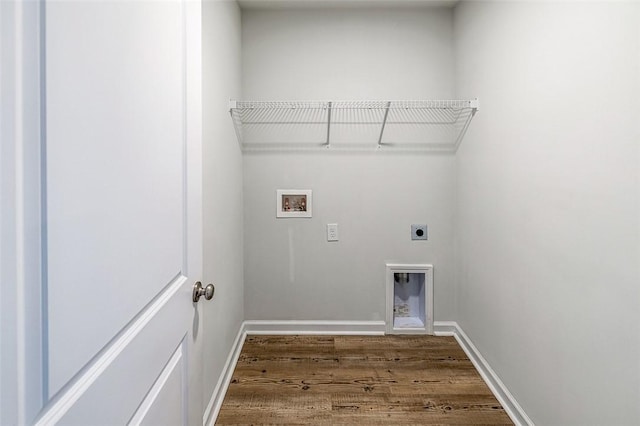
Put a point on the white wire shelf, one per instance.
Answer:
(420, 125)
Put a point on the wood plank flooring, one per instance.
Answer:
(350, 380)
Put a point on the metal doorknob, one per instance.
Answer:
(199, 291)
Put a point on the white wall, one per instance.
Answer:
(373, 53)
(548, 233)
(291, 271)
(222, 198)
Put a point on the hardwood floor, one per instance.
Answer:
(366, 380)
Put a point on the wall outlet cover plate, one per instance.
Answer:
(332, 232)
(418, 232)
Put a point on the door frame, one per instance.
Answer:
(22, 231)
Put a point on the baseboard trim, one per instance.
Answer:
(215, 403)
(506, 399)
(445, 328)
(284, 327)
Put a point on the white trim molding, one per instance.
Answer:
(22, 388)
(284, 327)
(497, 387)
(215, 403)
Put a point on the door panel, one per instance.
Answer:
(116, 387)
(165, 404)
(122, 189)
(115, 167)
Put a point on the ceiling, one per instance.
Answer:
(315, 4)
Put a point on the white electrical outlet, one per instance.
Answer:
(332, 232)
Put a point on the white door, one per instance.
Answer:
(117, 338)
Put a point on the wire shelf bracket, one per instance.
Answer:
(384, 122)
(328, 124)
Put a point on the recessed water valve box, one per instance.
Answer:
(418, 232)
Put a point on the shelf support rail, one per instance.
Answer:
(328, 123)
(384, 122)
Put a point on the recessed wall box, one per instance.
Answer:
(409, 299)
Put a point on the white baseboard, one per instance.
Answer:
(215, 403)
(445, 328)
(506, 399)
(372, 328)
